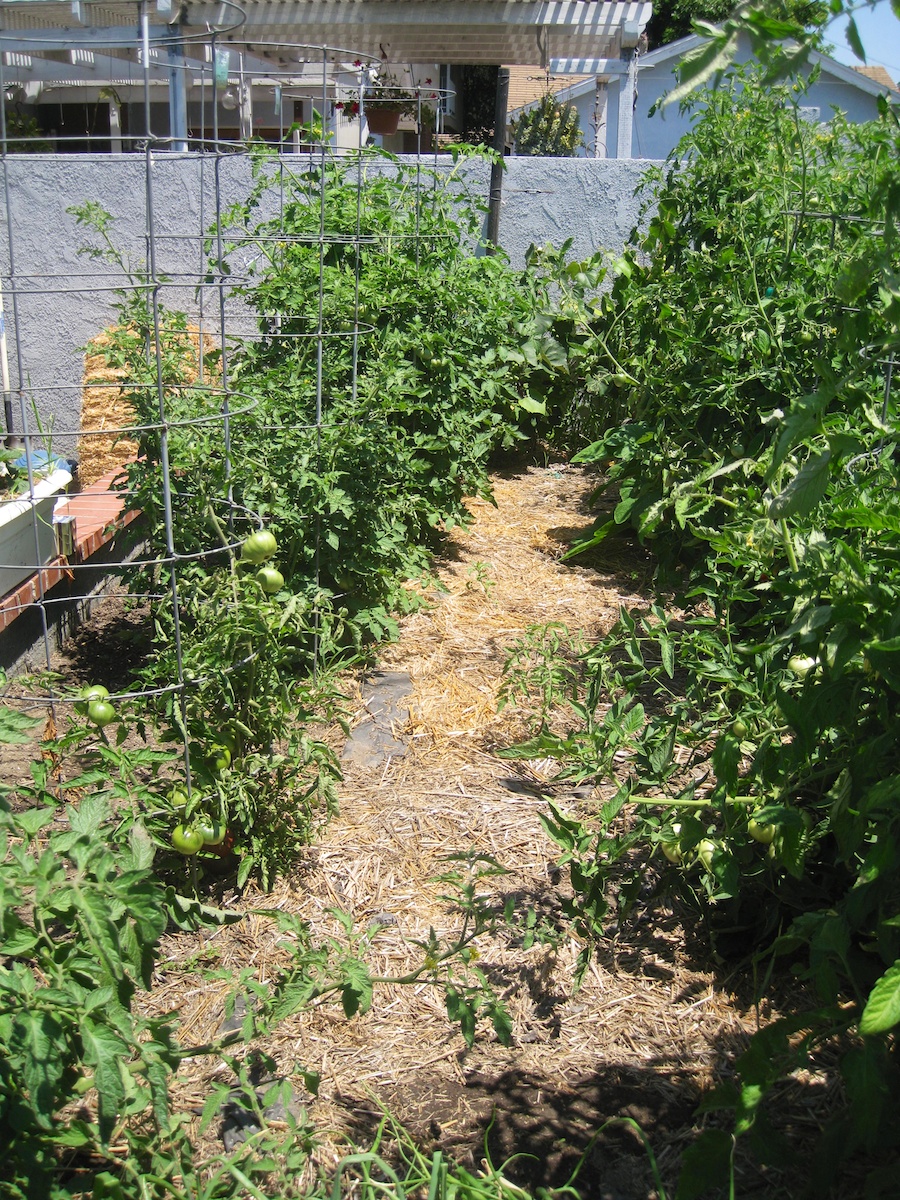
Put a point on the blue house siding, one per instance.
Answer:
(838, 87)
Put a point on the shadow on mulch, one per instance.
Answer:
(541, 1134)
(596, 1132)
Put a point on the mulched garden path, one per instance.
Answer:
(655, 1024)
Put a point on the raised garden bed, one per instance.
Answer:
(21, 554)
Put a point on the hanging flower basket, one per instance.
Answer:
(382, 119)
(385, 100)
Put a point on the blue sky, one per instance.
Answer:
(880, 33)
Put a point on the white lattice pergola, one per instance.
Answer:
(532, 32)
(79, 44)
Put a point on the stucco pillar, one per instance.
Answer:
(627, 98)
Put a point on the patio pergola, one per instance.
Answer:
(529, 32)
(84, 39)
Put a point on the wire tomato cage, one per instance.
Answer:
(150, 268)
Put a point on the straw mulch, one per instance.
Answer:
(653, 1027)
(106, 412)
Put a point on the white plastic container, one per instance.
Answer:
(17, 524)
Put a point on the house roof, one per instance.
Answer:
(453, 31)
(857, 78)
(528, 84)
(879, 74)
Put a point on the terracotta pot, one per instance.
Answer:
(381, 120)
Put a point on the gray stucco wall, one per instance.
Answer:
(62, 299)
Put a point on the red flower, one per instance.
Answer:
(428, 81)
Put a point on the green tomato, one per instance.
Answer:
(739, 728)
(763, 833)
(92, 691)
(670, 847)
(212, 831)
(186, 839)
(259, 546)
(178, 796)
(621, 380)
(218, 757)
(802, 664)
(270, 580)
(226, 738)
(100, 713)
(705, 852)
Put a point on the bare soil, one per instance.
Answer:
(657, 1022)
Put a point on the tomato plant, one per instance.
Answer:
(753, 453)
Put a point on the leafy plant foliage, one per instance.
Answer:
(550, 128)
(734, 386)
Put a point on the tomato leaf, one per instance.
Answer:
(103, 1050)
(705, 1164)
(15, 727)
(248, 862)
(38, 1052)
(33, 820)
(89, 815)
(805, 491)
(854, 41)
(356, 990)
(882, 1010)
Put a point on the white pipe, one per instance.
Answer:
(4, 357)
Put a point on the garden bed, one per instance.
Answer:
(657, 1023)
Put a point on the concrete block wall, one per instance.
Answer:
(63, 299)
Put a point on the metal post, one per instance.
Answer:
(501, 105)
(245, 101)
(178, 122)
(115, 126)
(4, 370)
(600, 122)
